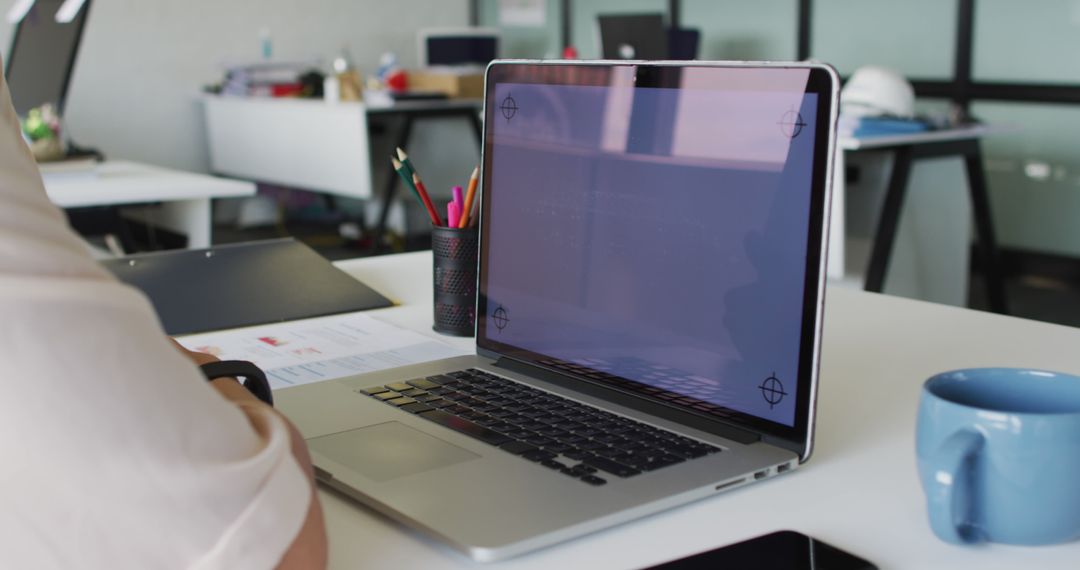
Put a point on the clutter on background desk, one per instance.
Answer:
(456, 83)
(862, 127)
(303, 78)
(243, 285)
(41, 129)
(877, 101)
(313, 350)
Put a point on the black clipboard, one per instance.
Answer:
(241, 285)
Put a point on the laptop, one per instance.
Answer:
(633, 36)
(650, 295)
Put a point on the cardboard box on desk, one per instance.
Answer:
(456, 84)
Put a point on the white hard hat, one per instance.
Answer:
(873, 91)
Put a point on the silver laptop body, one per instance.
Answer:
(596, 178)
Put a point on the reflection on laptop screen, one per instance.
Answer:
(656, 234)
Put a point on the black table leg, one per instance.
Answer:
(391, 185)
(888, 221)
(984, 228)
(478, 128)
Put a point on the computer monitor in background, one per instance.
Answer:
(633, 36)
(458, 46)
(42, 57)
(683, 43)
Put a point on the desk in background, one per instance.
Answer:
(859, 491)
(318, 146)
(906, 149)
(185, 197)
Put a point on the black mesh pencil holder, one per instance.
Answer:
(454, 253)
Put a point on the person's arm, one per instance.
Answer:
(309, 549)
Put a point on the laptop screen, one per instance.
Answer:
(657, 229)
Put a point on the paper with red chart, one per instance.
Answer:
(324, 348)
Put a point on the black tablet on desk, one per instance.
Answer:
(243, 284)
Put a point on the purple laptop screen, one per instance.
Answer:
(656, 234)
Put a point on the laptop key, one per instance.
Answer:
(582, 469)
(659, 462)
(593, 480)
(416, 408)
(387, 395)
(552, 464)
(611, 467)
(372, 391)
(538, 455)
(398, 387)
(422, 383)
(414, 392)
(517, 447)
(466, 427)
(686, 451)
(401, 401)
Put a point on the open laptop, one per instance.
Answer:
(650, 300)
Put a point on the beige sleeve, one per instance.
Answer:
(116, 452)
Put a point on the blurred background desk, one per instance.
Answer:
(184, 197)
(943, 240)
(321, 147)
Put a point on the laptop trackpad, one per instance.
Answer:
(389, 450)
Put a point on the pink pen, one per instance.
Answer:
(459, 199)
(453, 214)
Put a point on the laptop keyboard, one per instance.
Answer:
(579, 440)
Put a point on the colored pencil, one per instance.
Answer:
(466, 212)
(426, 200)
(452, 214)
(406, 177)
(405, 161)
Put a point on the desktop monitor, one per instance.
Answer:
(458, 46)
(42, 57)
(633, 36)
(683, 43)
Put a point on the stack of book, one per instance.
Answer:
(266, 78)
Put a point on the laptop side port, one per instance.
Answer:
(761, 474)
(730, 484)
(783, 468)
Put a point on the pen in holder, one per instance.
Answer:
(454, 253)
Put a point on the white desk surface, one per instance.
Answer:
(121, 182)
(859, 491)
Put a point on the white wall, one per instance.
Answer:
(143, 62)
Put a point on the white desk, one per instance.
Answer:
(961, 143)
(185, 196)
(318, 146)
(859, 491)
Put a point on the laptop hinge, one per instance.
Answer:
(633, 401)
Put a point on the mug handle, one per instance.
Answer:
(948, 494)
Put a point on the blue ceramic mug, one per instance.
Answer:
(999, 455)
